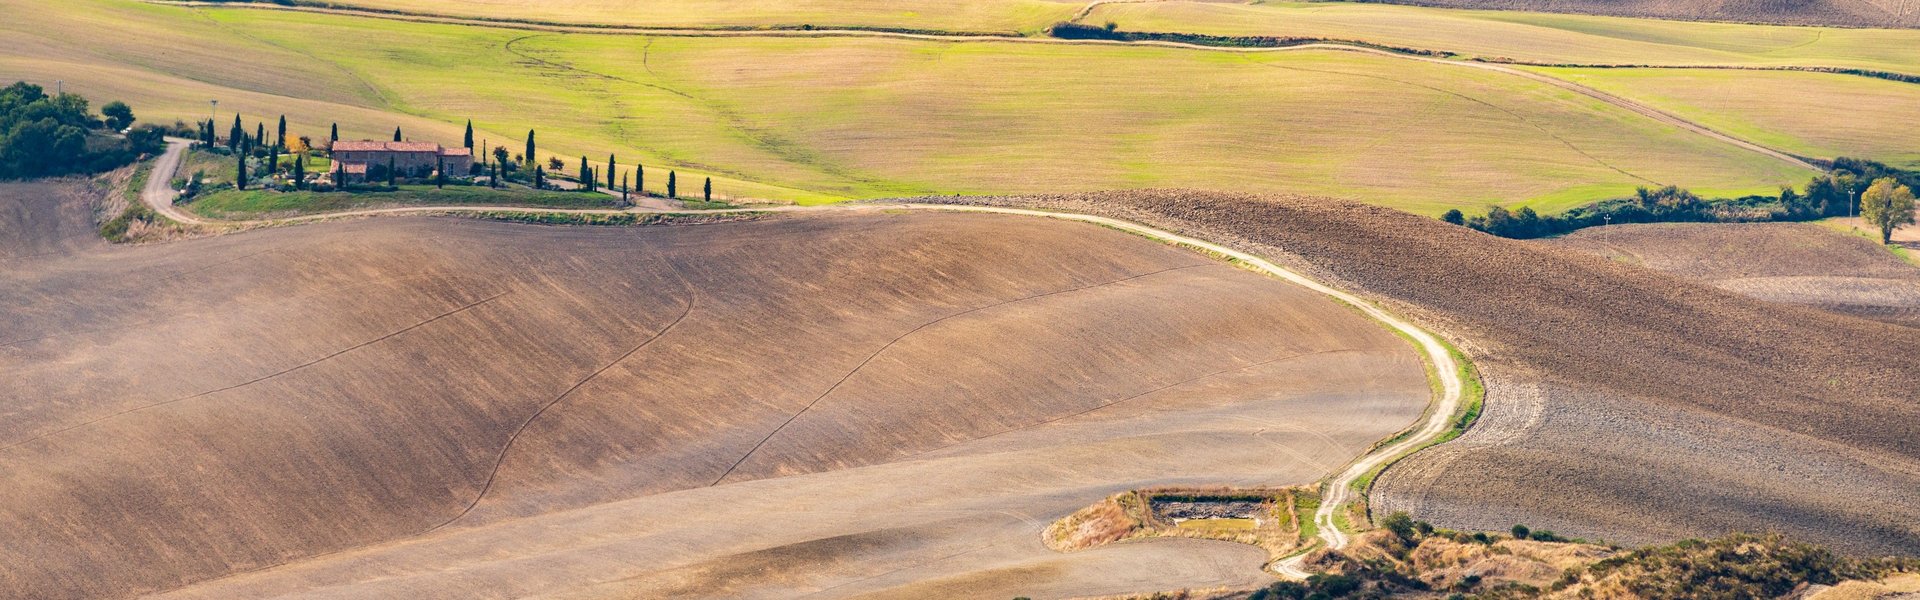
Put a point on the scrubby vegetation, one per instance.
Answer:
(1409, 558)
(1267, 518)
(1830, 195)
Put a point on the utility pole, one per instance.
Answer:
(60, 87)
(1607, 221)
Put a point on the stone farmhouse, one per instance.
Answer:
(354, 160)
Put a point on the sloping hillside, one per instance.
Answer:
(1844, 13)
(1624, 403)
(455, 408)
(1780, 262)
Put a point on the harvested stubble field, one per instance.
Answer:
(1623, 403)
(1846, 13)
(820, 119)
(860, 405)
(1795, 263)
(1814, 114)
(1534, 37)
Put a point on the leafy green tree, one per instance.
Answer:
(119, 116)
(673, 184)
(1455, 217)
(1400, 524)
(1887, 205)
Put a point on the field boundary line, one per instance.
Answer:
(1505, 67)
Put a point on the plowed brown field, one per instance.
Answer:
(870, 404)
(1792, 263)
(1624, 403)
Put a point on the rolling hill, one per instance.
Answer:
(850, 403)
(1623, 403)
(818, 119)
(1793, 263)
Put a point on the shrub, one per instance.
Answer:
(1520, 532)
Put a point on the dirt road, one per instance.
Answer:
(159, 193)
(1339, 491)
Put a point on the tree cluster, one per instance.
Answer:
(42, 135)
(1839, 192)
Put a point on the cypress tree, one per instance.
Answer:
(470, 134)
(611, 168)
(640, 178)
(440, 172)
(493, 180)
(708, 193)
(260, 134)
(273, 160)
(392, 173)
(530, 148)
(280, 140)
(335, 136)
(586, 176)
(396, 134)
(539, 177)
(673, 184)
(206, 133)
(624, 190)
(240, 173)
(299, 171)
(237, 135)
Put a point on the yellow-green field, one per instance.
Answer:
(1553, 38)
(819, 119)
(995, 16)
(1811, 114)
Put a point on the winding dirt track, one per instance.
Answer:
(1339, 490)
(1623, 103)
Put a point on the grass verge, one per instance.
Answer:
(252, 204)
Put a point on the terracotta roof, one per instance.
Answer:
(373, 146)
(413, 147)
(463, 151)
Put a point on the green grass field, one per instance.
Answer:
(821, 119)
(1811, 114)
(998, 16)
(1552, 38)
(254, 204)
